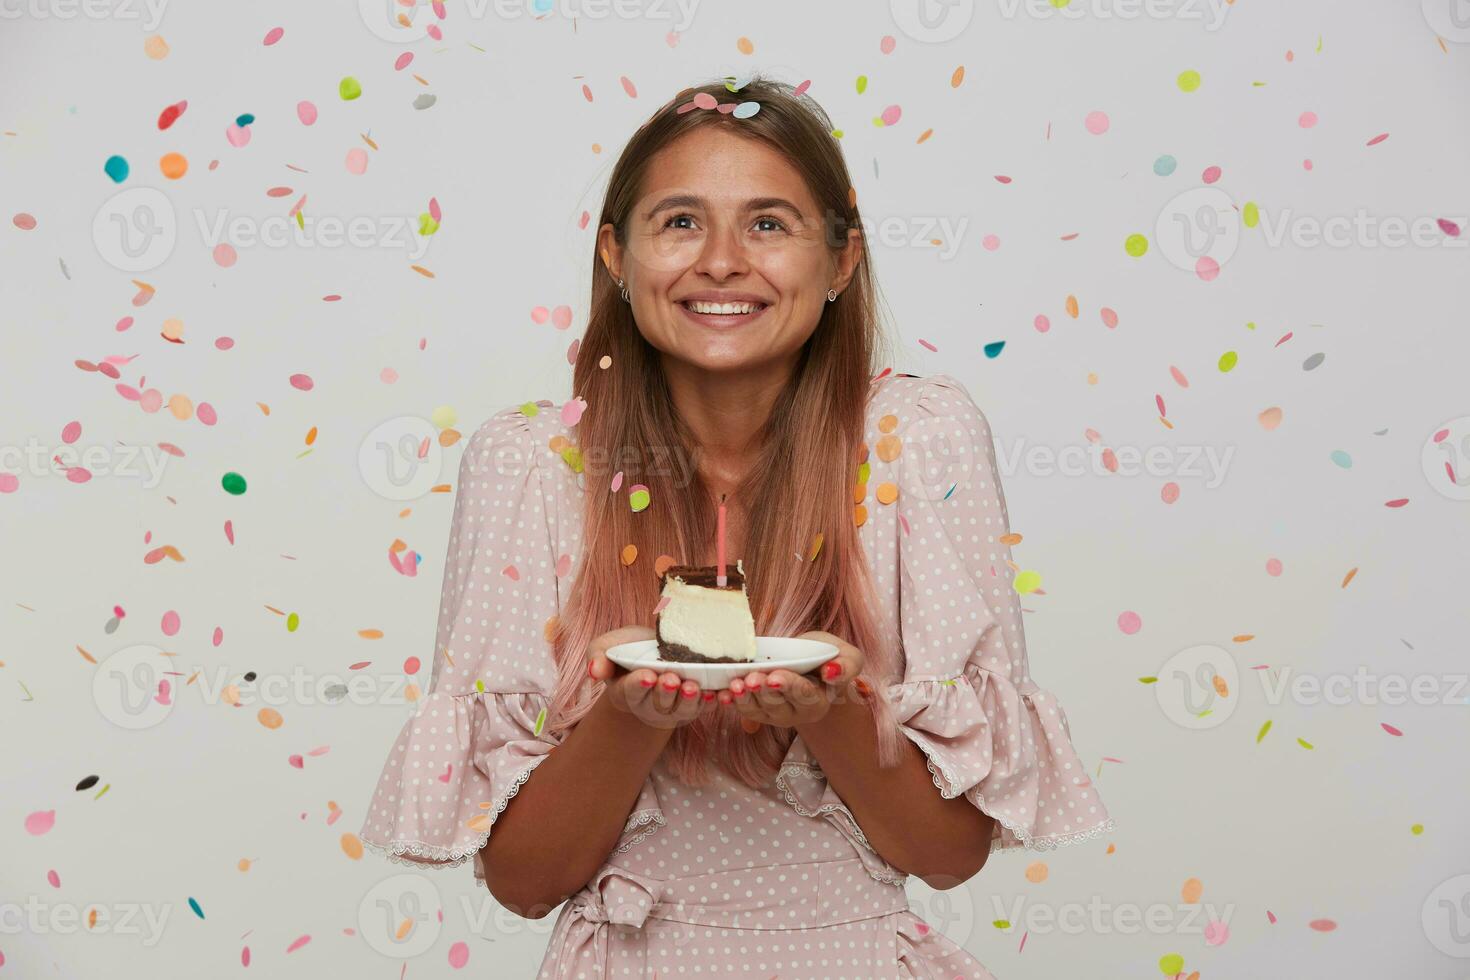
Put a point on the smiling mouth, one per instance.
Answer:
(722, 309)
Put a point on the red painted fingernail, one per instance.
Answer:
(647, 682)
(670, 687)
(773, 684)
(589, 669)
(831, 669)
(688, 694)
(709, 695)
(754, 687)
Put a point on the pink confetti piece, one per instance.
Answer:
(459, 955)
(360, 665)
(219, 636)
(1211, 175)
(297, 762)
(9, 483)
(411, 665)
(1449, 227)
(659, 606)
(1378, 139)
(1022, 948)
(163, 696)
(563, 566)
(1130, 622)
(1207, 269)
(306, 112)
(40, 822)
(245, 956)
(1396, 503)
(1271, 917)
(511, 572)
(1042, 323)
(1002, 179)
(71, 432)
(1323, 925)
(1216, 933)
(205, 413)
(53, 879)
(990, 242)
(629, 87)
(237, 135)
(924, 343)
(274, 35)
(78, 474)
(170, 624)
(571, 412)
(540, 314)
(887, 44)
(1109, 318)
(434, 211)
(1390, 729)
(357, 161)
(891, 115)
(561, 317)
(1307, 119)
(127, 321)
(801, 89)
(23, 221)
(1097, 122)
(572, 350)
(403, 61)
(617, 481)
(302, 382)
(230, 531)
(302, 941)
(225, 255)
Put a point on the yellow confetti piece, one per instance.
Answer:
(1305, 744)
(1417, 829)
(573, 458)
(1027, 582)
(630, 554)
(270, 718)
(352, 847)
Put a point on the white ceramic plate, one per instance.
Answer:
(786, 652)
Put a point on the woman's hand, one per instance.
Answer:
(784, 699)
(658, 700)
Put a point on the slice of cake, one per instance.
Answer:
(703, 622)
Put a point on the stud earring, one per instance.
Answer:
(831, 295)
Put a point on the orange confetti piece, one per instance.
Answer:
(744, 46)
(887, 424)
(887, 493)
(889, 447)
(958, 78)
(85, 655)
(1243, 638)
(860, 515)
(311, 436)
(352, 847)
(1348, 577)
(629, 554)
(370, 634)
(422, 271)
(270, 718)
(1192, 890)
(1072, 309)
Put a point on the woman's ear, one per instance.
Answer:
(847, 259)
(610, 251)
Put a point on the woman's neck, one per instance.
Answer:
(725, 412)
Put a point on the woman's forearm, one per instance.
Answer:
(560, 826)
(903, 816)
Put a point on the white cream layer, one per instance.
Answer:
(712, 622)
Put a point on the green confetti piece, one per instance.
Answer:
(300, 220)
(1251, 214)
(837, 134)
(427, 224)
(1148, 680)
(1002, 923)
(639, 500)
(949, 682)
(1305, 744)
(1228, 360)
(102, 791)
(1136, 245)
(479, 686)
(1171, 964)
(1188, 81)
(540, 721)
(865, 470)
(349, 88)
(530, 410)
(1262, 733)
(292, 621)
(233, 483)
(573, 457)
(862, 84)
(1417, 829)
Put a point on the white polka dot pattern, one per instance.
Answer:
(724, 886)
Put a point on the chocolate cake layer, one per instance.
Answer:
(678, 653)
(707, 576)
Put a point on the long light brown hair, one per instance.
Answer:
(801, 488)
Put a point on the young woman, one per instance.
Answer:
(765, 829)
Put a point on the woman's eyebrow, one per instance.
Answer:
(695, 201)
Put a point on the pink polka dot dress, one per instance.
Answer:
(726, 880)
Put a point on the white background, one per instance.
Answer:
(510, 153)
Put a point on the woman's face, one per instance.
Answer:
(726, 260)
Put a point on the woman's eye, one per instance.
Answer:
(673, 222)
(768, 220)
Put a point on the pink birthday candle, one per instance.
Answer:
(720, 544)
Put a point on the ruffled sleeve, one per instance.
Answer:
(481, 731)
(967, 698)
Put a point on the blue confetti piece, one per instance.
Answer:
(1164, 165)
(197, 910)
(994, 348)
(746, 109)
(116, 168)
(948, 492)
(245, 119)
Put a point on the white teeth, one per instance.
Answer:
(723, 308)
